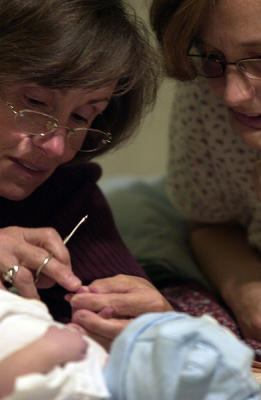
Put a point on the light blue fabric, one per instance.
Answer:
(173, 356)
(155, 233)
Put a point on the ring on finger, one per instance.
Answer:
(40, 268)
(10, 274)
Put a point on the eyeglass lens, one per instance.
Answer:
(252, 67)
(34, 123)
(80, 139)
(213, 67)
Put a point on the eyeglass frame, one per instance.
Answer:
(224, 64)
(107, 135)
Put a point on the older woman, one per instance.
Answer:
(75, 77)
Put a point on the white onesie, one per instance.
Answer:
(23, 321)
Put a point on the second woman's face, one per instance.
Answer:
(233, 31)
(28, 161)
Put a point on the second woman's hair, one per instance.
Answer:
(177, 25)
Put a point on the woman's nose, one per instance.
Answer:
(53, 145)
(238, 88)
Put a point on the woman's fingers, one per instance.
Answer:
(27, 248)
(55, 270)
(128, 304)
(49, 240)
(119, 284)
(102, 330)
(105, 307)
(24, 283)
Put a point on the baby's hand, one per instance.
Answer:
(66, 343)
(56, 347)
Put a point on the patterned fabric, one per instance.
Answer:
(211, 171)
(194, 300)
(211, 178)
(158, 239)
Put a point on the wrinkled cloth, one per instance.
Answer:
(195, 300)
(174, 356)
(158, 239)
(24, 320)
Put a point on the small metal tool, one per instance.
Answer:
(50, 256)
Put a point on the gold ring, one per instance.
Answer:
(40, 268)
(10, 274)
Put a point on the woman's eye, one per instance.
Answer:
(214, 57)
(35, 102)
(80, 118)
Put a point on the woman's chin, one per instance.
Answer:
(14, 193)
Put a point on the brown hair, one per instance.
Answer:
(82, 44)
(177, 24)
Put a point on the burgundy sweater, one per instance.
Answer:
(96, 249)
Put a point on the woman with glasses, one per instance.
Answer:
(76, 77)
(213, 50)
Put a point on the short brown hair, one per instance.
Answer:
(177, 24)
(82, 44)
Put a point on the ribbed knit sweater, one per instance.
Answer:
(96, 249)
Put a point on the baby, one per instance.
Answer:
(158, 356)
(43, 359)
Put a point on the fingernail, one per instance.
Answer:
(75, 300)
(68, 297)
(75, 282)
(93, 289)
(106, 312)
(82, 289)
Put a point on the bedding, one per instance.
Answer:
(158, 241)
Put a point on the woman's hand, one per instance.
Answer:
(106, 306)
(27, 248)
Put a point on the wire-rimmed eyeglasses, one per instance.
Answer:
(36, 123)
(212, 66)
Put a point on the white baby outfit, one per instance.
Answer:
(159, 356)
(23, 321)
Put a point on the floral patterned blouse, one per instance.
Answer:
(211, 172)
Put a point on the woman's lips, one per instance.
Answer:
(28, 166)
(252, 121)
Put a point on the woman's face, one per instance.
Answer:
(27, 161)
(233, 31)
